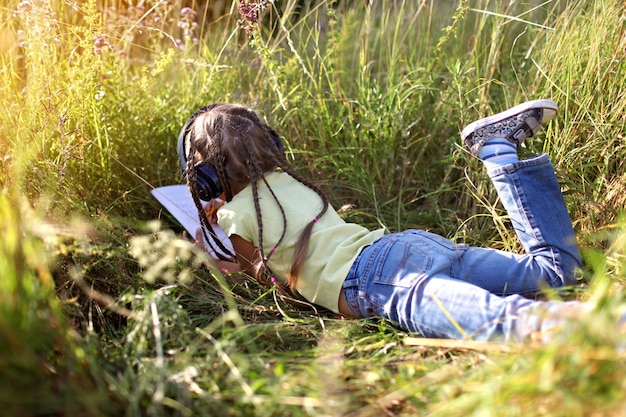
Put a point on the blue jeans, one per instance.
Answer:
(430, 285)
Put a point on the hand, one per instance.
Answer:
(211, 208)
(225, 267)
(199, 241)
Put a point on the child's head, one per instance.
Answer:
(225, 146)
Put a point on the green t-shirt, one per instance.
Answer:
(333, 247)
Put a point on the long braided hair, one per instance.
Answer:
(190, 176)
(242, 149)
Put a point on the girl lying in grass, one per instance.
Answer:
(285, 232)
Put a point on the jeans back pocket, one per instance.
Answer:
(412, 255)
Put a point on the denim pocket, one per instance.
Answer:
(413, 255)
(402, 262)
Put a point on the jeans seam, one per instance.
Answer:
(512, 167)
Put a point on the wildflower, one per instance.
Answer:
(188, 13)
(24, 7)
(189, 26)
(101, 43)
(250, 13)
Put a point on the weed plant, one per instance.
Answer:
(105, 312)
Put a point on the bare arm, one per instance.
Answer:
(225, 267)
(247, 254)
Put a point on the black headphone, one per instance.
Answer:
(207, 180)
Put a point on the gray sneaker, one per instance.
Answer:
(515, 124)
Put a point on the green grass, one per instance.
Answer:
(370, 100)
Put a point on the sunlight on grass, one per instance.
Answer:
(106, 313)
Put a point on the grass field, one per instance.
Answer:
(370, 98)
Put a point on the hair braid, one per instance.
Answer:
(207, 229)
(302, 244)
(260, 268)
(221, 172)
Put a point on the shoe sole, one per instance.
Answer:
(549, 111)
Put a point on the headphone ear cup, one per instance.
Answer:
(209, 185)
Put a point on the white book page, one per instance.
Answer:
(178, 202)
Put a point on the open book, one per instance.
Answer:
(178, 202)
